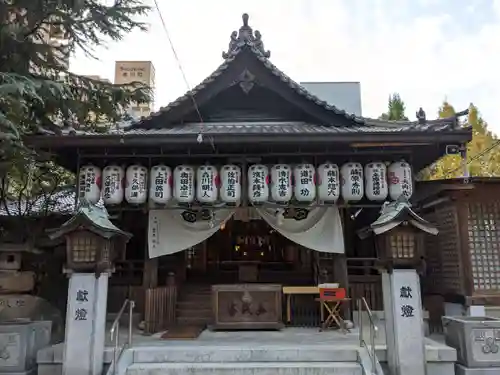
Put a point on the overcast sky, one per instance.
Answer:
(427, 50)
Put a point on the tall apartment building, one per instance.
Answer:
(136, 71)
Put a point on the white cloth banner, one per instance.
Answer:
(169, 233)
(321, 230)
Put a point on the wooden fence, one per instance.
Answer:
(368, 286)
(160, 307)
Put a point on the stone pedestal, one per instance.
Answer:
(476, 310)
(404, 322)
(85, 324)
(456, 309)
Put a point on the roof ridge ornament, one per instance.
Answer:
(245, 36)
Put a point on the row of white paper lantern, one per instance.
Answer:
(279, 183)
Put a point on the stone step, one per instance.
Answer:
(194, 313)
(195, 302)
(192, 305)
(248, 368)
(193, 320)
(187, 293)
(282, 353)
(193, 289)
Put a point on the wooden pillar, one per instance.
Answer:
(340, 276)
(340, 260)
(150, 277)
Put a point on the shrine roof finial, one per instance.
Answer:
(246, 36)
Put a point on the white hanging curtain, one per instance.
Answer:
(320, 229)
(172, 231)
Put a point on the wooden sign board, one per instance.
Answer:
(247, 306)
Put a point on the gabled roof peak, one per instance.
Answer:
(246, 36)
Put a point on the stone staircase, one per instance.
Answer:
(275, 359)
(194, 305)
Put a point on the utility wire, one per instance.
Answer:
(478, 156)
(179, 64)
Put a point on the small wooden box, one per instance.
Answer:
(332, 294)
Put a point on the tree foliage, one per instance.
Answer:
(483, 151)
(395, 109)
(38, 92)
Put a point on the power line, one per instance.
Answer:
(478, 156)
(179, 64)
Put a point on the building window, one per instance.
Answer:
(484, 244)
(132, 74)
(139, 74)
(124, 74)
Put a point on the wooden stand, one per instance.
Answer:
(246, 306)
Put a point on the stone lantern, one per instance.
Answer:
(399, 239)
(92, 243)
(399, 235)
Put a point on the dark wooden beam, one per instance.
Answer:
(189, 140)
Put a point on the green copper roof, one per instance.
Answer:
(395, 213)
(93, 217)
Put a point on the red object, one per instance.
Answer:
(332, 294)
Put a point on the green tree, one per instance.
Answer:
(395, 109)
(39, 92)
(483, 151)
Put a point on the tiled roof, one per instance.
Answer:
(281, 128)
(246, 39)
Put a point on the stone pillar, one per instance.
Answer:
(404, 322)
(85, 324)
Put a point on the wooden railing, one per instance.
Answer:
(160, 308)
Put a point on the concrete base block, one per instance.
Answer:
(461, 370)
(50, 369)
(29, 372)
(443, 368)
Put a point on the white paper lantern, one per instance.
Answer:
(136, 184)
(304, 176)
(328, 182)
(207, 181)
(352, 186)
(230, 189)
(376, 187)
(184, 184)
(400, 180)
(89, 183)
(258, 183)
(281, 183)
(160, 184)
(112, 179)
